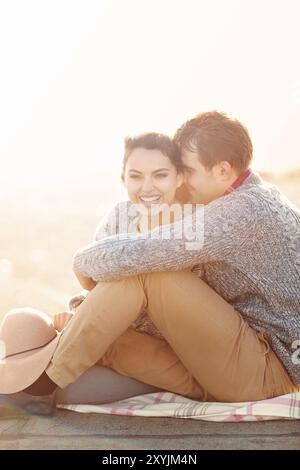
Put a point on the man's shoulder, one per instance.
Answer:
(253, 202)
(269, 195)
(267, 203)
(257, 191)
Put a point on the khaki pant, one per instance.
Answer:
(210, 352)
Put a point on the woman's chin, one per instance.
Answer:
(150, 205)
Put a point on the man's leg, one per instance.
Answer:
(231, 360)
(103, 320)
(208, 340)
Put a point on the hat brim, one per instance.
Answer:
(20, 371)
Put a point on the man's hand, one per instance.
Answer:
(85, 282)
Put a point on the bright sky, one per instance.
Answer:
(79, 75)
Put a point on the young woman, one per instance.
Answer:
(152, 174)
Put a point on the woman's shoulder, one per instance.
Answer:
(124, 208)
(120, 218)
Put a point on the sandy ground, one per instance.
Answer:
(42, 228)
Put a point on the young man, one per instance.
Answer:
(233, 335)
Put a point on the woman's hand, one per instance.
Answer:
(85, 282)
(60, 320)
(77, 300)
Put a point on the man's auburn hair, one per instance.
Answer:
(215, 137)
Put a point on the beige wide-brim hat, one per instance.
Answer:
(28, 341)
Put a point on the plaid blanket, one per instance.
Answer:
(166, 404)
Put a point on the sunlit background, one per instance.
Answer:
(78, 76)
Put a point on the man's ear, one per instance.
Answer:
(224, 170)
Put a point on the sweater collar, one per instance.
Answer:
(239, 181)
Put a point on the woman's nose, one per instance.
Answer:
(147, 185)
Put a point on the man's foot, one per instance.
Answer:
(35, 405)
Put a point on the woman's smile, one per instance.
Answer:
(149, 200)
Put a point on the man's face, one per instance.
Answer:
(203, 184)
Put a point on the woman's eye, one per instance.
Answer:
(159, 175)
(135, 177)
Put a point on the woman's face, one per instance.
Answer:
(150, 178)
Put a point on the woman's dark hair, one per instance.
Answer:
(153, 141)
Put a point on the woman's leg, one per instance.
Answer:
(101, 385)
(102, 318)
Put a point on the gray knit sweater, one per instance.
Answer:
(250, 255)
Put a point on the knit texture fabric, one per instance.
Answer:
(249, 254)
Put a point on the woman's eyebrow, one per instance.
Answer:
(155, 171)
(161, 169)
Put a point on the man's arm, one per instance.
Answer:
(220, 227)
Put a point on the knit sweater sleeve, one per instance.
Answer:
(209, 234)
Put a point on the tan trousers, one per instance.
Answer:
(210, 352)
